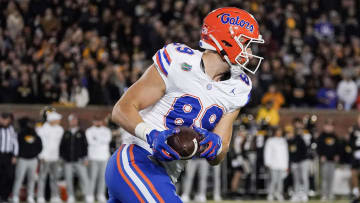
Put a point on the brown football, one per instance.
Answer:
(185, 142)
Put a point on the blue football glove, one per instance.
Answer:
(162, 151)
(211, 141)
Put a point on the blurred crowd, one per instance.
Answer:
(89, 52)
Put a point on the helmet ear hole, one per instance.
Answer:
(227, 44)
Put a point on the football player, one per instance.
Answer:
(184, 87)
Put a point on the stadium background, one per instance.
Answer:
(78, 55)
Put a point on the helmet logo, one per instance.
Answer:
(226, 19)
(204, 30)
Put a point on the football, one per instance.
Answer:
(185, 142)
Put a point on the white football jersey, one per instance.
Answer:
(191, 97)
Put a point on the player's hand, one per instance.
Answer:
(162, 151)
(211, 141)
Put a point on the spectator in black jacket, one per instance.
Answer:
(73, 150)
(327, 147)
(309, 135)
(261, 136)
(30, 146)
(238, 162)
(355, 165)
(297, 157)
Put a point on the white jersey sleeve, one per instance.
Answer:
(163, 60)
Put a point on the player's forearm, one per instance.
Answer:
(224, 129)
(126, 115)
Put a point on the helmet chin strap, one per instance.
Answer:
(235, 70)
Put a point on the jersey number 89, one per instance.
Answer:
(183, 49)
(187, 109)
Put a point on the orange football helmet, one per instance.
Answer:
(230, 31)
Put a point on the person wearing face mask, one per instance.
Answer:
(73, 150)
(98, 137)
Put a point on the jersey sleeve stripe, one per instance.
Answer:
(160, 63)
(167, 57)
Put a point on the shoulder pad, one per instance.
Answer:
(171, 54)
